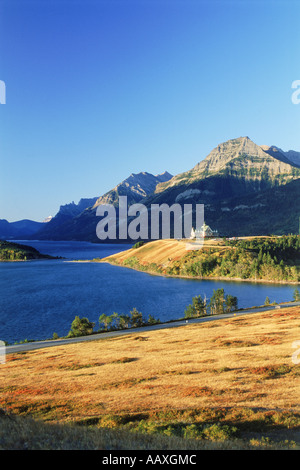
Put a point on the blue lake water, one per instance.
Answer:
(40, 297)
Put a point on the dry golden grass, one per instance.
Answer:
(232, 364)
(162, 252)
(158, 251)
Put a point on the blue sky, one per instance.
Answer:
(97, 90)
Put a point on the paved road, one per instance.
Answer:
(59, 342)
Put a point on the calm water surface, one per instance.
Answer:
(40, 297)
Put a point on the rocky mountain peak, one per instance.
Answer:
(227, 151)
(238, 158)
(136, 187)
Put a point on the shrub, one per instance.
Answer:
(215, 432)
(81, 327)
(138, 244)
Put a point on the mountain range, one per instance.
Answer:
(246, 189)
(19, 230)
(78, 222)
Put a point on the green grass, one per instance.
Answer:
(191, 429)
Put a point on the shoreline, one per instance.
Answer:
(50, 258)
(199, 278)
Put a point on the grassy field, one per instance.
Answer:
(222, 384)
(160, 252)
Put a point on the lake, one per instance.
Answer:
(40, 297)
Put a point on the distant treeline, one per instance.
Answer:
(10, 251)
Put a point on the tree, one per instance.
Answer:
(296, 295)
(81, 327)
(217, 302)
(105, 320)
(197, 308)
(231, 303)
(136, 318)
(152, 320)
(114, 321)
(267, 301)
(124, 322)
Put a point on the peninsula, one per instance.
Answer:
(260, 259)
(10, 251)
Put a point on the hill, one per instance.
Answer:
(274, 259)
(10, 251)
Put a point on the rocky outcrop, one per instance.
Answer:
(135, 187)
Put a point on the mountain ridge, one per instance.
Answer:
(82, 224)
(231, 182)
(136, 187)
(18, 230)
(231, 157)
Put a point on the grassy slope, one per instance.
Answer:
(231, 380)
(160, 252)
(175, 258)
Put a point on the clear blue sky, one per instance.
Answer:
(96, 90)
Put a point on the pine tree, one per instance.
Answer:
(197, 308)
(231, 303)
(296, 295)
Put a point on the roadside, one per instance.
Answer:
(110, 334)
